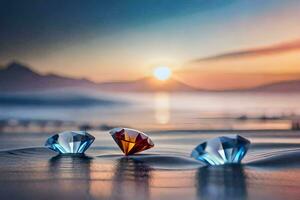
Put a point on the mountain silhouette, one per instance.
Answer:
(283, 86)
(147, 85)
(18, 77)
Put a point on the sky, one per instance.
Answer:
(211, 44)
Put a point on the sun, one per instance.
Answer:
(162, 73)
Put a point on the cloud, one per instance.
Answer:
(262, 51)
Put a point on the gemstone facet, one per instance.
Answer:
(131, 141)
(73, 142)
(222, 150)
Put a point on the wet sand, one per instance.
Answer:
(271, 169)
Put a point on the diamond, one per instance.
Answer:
(70, 142)
(131, 141)
(222, 150)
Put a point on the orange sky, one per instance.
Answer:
(233, 45)
(245, 68)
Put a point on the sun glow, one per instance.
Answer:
(162, 73)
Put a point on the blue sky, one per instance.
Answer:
(36, 23)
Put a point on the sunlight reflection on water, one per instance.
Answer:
(162, 108)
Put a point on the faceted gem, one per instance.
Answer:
(73, 142)
(222, 150)
(131, 141)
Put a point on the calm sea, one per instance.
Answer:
(159, 111)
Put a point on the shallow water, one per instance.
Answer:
(271, 169)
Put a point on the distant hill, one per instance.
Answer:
(283, 86)
(146, 85)
(18, 77)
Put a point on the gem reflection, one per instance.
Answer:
(221, 182)
(71, 175)
(131, 180)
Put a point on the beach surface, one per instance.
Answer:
(270, 170)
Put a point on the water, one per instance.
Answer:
(159, 111)
(270, 170)
(176, 123)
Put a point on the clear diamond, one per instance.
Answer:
(70, 142)
(131, 141)
(222, 150)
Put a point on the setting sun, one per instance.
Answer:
(162, 73)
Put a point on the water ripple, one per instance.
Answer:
(159, 160)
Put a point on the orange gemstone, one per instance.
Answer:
(131, 141)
